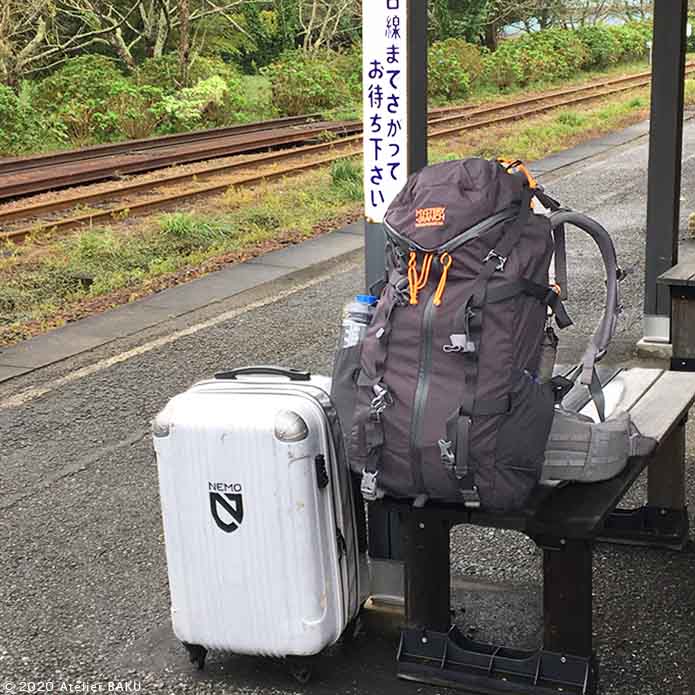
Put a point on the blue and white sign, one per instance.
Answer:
(385, 103)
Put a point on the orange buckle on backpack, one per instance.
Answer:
(518, 165)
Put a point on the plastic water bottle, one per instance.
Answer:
(356, 318)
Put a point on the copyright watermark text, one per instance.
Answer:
(38, 687)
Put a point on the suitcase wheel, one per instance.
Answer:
(196, 654)
(301, 670)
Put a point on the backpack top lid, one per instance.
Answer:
(441, 201)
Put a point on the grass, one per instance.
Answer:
(690, 92)
(257, 92)
(547, 134)
(490, 94)
(42, 285)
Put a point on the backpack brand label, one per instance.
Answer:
(430, 217)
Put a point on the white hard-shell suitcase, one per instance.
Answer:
(259, 517)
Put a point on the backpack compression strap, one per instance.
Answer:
(598, 344)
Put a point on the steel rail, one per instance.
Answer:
(75, 200)
(163, 201)
(16, 164)
(50, 180)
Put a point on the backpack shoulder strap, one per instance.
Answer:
(598, 345)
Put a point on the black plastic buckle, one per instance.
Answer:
(471, 498)
(460, 342)
(402, 292)
(561, 387)
(382, 400)
(447, 453)
(370, 488)
(502, 260)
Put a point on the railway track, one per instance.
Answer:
(52, 174)
(252, 170)
(20, 164)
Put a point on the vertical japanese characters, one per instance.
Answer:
(385, 104)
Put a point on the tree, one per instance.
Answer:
(35, 34)
(321, 21)
(639, 9)
(184, 40)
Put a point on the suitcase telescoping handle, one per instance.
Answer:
(291, 374)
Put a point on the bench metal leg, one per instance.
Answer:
(425, 544)
(567, 606)
(430, 652)
(663, 522)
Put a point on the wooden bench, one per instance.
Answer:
(565, 522)
(681, 282)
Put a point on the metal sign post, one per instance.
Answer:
(665, 156)
(395, 146)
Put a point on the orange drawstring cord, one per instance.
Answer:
(446, 261)
(425, 272)
(416, 282)
(412, 277)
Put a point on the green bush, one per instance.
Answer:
(502, 69)
(164, 72)
(553, 54)
(302, 82)
(454, 66)
(349, 66)
(75, 97)
(602, 45)
(210, 103)
(632, 38)
(21, 127)
(446, 77)
(83, 79)
(132, 111)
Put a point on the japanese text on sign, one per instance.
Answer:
(385, 104)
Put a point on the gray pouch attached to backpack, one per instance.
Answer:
(585, 451)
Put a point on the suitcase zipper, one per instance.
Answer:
(421, 394)
(342, 545)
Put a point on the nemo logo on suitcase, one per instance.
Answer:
(233, 504)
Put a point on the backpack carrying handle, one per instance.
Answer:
(606, 329)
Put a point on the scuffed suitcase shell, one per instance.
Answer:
(279, 577)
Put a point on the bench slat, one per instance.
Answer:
(682, 274)
(579, 396)
(658, 412)
(636, 382)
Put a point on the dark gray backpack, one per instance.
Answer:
(447, 402)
